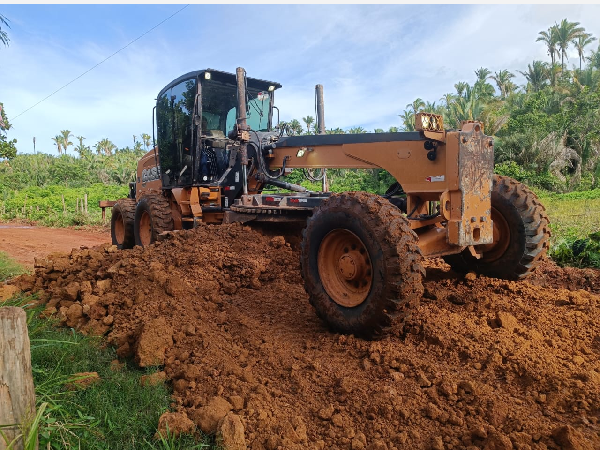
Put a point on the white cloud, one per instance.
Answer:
(372, 60)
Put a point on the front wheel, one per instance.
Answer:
(361, 264)
(521, 235)
(152, 217)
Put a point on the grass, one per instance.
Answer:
(572, 215)
(574, 222)
(9, 268)
(114, 413)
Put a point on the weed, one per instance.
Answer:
(9, 268)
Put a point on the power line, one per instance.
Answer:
(104, 60)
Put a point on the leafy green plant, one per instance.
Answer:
(578, 252)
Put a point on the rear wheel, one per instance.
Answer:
(152, 217)
(361, 264)
(121, 223)
(521, 235)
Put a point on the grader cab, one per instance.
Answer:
(361, 253)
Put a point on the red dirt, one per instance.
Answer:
(486, 363)
(25, 243)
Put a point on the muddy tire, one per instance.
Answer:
(121, 224)
(152, 217)
(361, 264)
(521, 235)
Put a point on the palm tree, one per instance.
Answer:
(65, 135)
(448, 99)
(537, 76)
(408, 119)
(460, 87)
(554, 72)
(3, 35)
(357, 130)
(393, 130)
(308, 120)
(378, 130)
(146, 139)
(482, 74)
(566, 32)
(105, 146)
(594, 58)
(81, 149)
(416, 106)
(550, 39)
(503, 82)
(580, 44)
(58, 142)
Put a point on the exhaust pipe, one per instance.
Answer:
(320, 107)
(242, 126)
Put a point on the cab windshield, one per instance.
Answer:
(219, 103)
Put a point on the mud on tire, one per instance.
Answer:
(378, 233)
(152, 217)
(518, 211)
(121, 223)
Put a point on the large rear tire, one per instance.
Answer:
(121, 224)
(152, 217)
(521, 235)
(361, 264)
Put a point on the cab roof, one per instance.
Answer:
(222, 76)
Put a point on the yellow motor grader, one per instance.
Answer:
(218, 155)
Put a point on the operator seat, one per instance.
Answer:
(214, 156)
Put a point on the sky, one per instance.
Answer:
(371, 59)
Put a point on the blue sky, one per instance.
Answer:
(371, 59)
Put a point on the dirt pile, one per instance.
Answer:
(486, 364)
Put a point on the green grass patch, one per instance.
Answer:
(575, 225)
(117, 412)
(9, 268)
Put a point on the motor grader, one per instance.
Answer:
(219, 154)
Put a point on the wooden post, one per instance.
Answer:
(77, 206)
(17, 393)
(85, 200)
(64, 207)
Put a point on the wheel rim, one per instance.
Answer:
(119, 229)
(492, 252)
(345, 268)
(145, 229)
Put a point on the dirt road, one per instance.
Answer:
(24, 243)
(486, 363)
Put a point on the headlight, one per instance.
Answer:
(429, 122)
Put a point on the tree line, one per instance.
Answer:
(103, 147)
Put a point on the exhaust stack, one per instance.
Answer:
(242, 126)
(320, 106)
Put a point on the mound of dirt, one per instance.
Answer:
(486, 363)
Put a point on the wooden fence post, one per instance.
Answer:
(17, 393)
